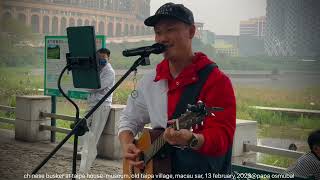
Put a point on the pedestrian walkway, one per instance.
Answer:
(18, 159)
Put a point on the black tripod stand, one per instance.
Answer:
(80, 125)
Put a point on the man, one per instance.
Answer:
(99, 118)
(309, 164)
(209, 145)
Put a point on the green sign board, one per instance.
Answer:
(56, 48)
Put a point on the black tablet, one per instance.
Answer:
(82, 55)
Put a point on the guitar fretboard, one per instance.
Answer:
(155, 147)
(160, 142)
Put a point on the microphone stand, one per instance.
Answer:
(143, 60)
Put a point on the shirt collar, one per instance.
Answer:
(199, 61)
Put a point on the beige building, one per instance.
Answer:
(114, 18)
(253, 27)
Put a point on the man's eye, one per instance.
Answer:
(170, 29)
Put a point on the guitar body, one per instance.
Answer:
(154, 166)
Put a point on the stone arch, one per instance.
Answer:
(86, 22)
(126, 30)
(131, 31)
(72, 22)
(35, 23)
(93, 23)
(79, 22)
(63, 25)
(110, 29)
(137, 30)
(22, 18)
(7, 15)
(101, 27)
(55, 29)
(118, 30)
(142, 30)
(45, 25)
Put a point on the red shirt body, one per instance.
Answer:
(217, 91)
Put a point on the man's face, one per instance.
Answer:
(177, 35)
(103, 56)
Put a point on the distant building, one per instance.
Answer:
(199, 29)
(114, 18)
(251, 40)
(293, 28)
(207, 37)
(253, 27)
(251, 45)
(227, 45)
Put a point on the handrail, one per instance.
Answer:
(52, 128)
(7, 120)
(289, 110)
(272, 150)
(58, 116)
(264, 166)
(7, 108)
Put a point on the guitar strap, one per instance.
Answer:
(192, 92)
(188, 161)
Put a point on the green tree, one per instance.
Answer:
(16, 40)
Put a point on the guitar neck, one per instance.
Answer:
(160, 142)
(154, 148)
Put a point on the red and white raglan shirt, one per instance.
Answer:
(159, 93)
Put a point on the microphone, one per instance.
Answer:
(156, 48)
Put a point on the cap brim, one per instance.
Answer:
(152, 20)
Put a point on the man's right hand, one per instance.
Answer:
(132, 153)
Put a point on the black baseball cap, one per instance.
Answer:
(171, 10)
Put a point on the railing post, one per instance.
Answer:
(109, 145)
(28, 118)
(246, 131)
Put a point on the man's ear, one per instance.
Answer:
(192, 31)
(316, 148)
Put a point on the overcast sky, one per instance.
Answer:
(220, 16)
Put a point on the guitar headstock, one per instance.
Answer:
(194, 115)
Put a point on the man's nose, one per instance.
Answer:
(161, 38)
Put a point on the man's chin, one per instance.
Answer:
(165, 55)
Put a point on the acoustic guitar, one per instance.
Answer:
(151, 142)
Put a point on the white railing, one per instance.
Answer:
(7, 109)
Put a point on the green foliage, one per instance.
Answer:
(16, 47)
(275, 160)
(17, 81)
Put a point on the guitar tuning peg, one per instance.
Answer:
(211, 114)
(201, 123)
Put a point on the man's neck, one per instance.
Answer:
(177, 65)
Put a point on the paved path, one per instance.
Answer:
(18, 159)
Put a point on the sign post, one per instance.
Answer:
(55, 51)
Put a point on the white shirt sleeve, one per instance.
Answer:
(135, 115)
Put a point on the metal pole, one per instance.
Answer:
(53, 120)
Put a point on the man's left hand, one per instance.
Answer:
(177, 137)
